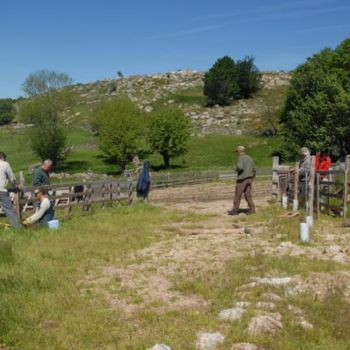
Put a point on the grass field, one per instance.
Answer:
(208, 152)
(45, 304)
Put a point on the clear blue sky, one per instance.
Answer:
(92, 40)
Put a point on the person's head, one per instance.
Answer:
(47, 165)
(304, 151)
(2, 156)
(240, 150)
(40, 193)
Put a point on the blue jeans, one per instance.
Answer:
(6, 204)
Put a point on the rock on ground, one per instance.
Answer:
(244, 346)
(160, 347)
(267, 323)
(233, 314)
(209, 341)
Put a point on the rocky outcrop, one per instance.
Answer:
(148, 90)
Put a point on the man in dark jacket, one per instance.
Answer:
(246, 172)
(40, 176)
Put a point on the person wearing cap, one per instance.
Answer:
(304, 171)
(246, 172)
(44, 213)
(40, 176)
(6, 177)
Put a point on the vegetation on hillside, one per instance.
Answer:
(7, 111)
(317, 109)
(169, 131)
(227, 80)
(120, 127)
(42, 110)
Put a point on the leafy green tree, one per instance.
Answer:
(317, 109)
(120, 128)
(169, 133)
(7, 111)
(248, 77)
(221, 82)
(47, 101)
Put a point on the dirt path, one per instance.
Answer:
(198, 248)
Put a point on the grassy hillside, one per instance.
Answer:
(206, 152)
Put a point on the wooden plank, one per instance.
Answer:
(275, 179)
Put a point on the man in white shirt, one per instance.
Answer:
(6, 177)
(44, 213)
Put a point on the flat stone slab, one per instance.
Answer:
(268, 323)
(209, 341)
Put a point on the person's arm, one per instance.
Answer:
(254, 169)
(10, 175)
(44, 207)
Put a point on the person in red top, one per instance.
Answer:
(323, 162)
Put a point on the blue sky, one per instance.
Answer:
(92, 40)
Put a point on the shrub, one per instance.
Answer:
(7, 111)
(120, 126)
(169, 133)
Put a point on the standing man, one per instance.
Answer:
(246, 172)
(40, 176)
(7, 176)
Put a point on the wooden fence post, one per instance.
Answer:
(275, 179)
(296, 187)
(311, 199)
(346, 185)
(130, 194)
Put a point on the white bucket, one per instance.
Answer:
(304, 232)
(295, 205)
(284, 202)
(310, 221)
(53, 224)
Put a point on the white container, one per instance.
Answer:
(284, 202)
(310, 221)
(295, 205)
(53, 224)
(304, 232)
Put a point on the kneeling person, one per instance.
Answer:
(44, 213)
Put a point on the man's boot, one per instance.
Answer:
(232, 212)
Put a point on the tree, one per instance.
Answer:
(7, 111)
(248, 77)
(47, 101)
(317, 109)
(169, 133)
(120, 126)
(221, 82)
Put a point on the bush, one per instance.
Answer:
(7, 111)
(48, 100)
(120, 127)
(221, 82)
(169, 133)
(227, 80)
(248, 77)
(317, 109)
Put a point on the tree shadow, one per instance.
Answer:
(162, 167)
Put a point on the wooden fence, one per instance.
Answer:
(83, 195)
(323, 191)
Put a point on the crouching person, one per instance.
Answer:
(44, 213)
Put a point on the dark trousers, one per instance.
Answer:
(243, 187)
(6, 204)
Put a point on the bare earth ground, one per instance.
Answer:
(145, 278)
